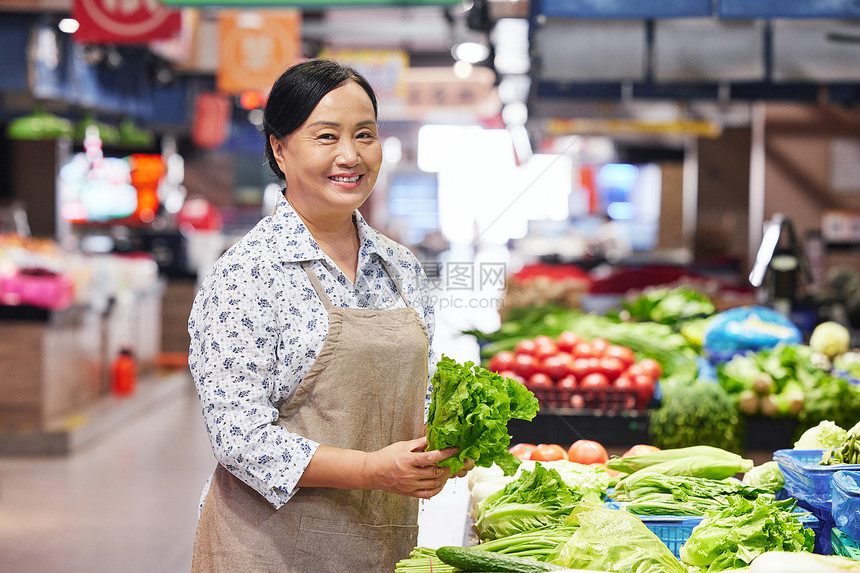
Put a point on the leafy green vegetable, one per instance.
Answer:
(613, 540)
(832, 398)
(647, 493)
(695, 461)
(767, 476)
(536, 499)
(733, 537)
(667, 305)
(825, 435)
(470, 408)
(696, 413)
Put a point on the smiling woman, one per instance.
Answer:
(315, 412)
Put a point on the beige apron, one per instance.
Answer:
(365, 391)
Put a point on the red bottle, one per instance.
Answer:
(124, 373)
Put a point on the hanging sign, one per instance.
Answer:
(255, 48)
(127, 22)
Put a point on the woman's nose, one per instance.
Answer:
(347, 153)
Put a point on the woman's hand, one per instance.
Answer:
(406, 469)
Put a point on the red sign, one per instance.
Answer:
(124, 21)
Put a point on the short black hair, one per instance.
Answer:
(297, 92)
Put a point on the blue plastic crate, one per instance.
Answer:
(675, 530)
(846, 502)
(805, 479)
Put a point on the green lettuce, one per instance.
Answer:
(824, 435)
(470, 408)
(733, 537)
(535, 499)
(613, 540)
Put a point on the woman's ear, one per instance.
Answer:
(278, 149)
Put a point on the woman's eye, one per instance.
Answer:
(328, 136)
(366, 135)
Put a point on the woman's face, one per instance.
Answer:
(332, 161)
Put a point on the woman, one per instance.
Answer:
(311, 354)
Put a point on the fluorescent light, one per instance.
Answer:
(68, 25)
(470, 52)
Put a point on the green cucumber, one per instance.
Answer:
(471, 559)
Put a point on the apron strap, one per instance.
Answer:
(320, 290)
(394, 280)
(315, 282)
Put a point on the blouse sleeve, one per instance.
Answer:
(233, 361)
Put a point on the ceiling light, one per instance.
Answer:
(470, 52)
(462, 69)
(68, 25)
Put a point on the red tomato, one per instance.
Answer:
(544, 340)
(566, 383)
(587, 452)
(557, 366)
(644, 386)
(610, 366)
(594, 381)
(577, 402)
(543, 351)
(567, 340)
(624, 354)
(539, 380)
(522, 451)
(526, 346)
(513, 375)
(583, 349)
(581, 367)
(634, 370)
(501, 361)
(599, 345)
(640, 449)
(651, 367)
(525, 365)
(548, 453)
(624, 382)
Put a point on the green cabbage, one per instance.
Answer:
(830, 338)
(825, 435)
(766, 476)
(470, 408)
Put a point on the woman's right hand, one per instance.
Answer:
(406, 469)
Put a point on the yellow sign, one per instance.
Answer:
(256, 47)
(700, 128)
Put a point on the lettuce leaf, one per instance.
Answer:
(733, 537)
(470, 408)
(613, 540)
(535, 499)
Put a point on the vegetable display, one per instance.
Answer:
(470, 408)
(733, 537)
(649, 493)
(612, 540)
(847, 452)
(538, 498)
(668, 305)
(696, 412)
(695, 461)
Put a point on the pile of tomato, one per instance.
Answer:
(581, 451)
(570, 371)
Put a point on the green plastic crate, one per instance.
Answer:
(844, 545)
